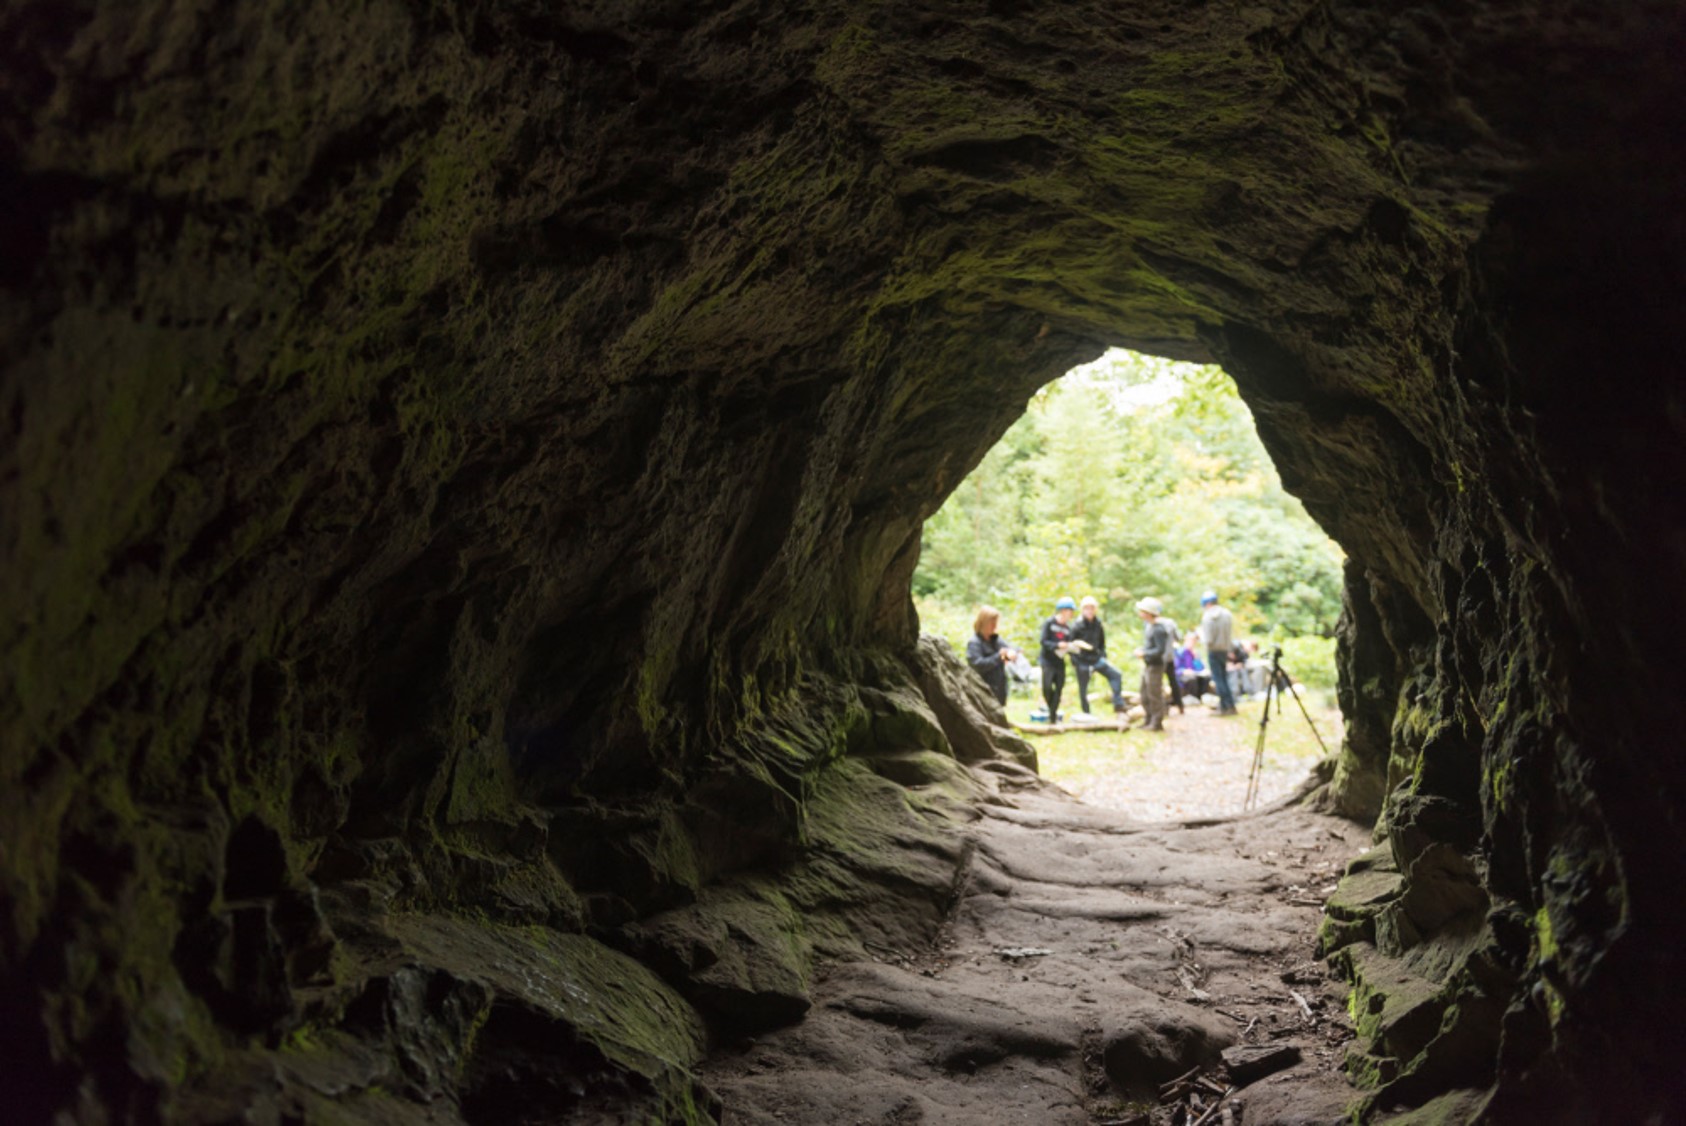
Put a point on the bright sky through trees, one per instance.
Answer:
(1129, 476)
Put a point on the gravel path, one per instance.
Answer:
(1196, 769)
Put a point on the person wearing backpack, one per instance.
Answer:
(1172, 686)
(1155, 653)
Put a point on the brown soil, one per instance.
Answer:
(1089, 959)
(1198, 767)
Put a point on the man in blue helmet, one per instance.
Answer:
(1056, 639)
(1217, 633)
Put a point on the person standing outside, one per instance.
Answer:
(1088, 661)
(1056, 640)
(1175, 633)
(1217, 633)
(1155, 653)
(988, 655)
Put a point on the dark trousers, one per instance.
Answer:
(1153, 697)
(1218, 662)
(1053, 683)
(1113, 677)
(1176, 693)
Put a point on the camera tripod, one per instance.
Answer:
(1278, 686)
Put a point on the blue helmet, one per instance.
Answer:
(1208, 598)
(1065, 604)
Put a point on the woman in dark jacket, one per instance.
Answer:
(988, 654)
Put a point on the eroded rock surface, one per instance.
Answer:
(1089, 961)
(465, 462)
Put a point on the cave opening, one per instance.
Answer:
(1133, 477)
(461, 478)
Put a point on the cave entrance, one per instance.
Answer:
(1134, 477)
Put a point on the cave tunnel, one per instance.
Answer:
(464, 465)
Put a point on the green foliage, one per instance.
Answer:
(952, 620)
(1310, 660)
(1131, 476)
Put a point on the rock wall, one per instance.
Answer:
(1532, 825)
(465, 462)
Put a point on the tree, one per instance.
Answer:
(1130, 476)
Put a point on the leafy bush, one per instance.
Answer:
(1310, 660)
(947, 620)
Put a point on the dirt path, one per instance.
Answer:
(1197, 768)
(1090, 958)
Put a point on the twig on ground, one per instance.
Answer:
(1212, 1111)
(1176, 1088)
(1187, 978)
(1305, 1007)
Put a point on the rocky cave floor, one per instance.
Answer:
(1088, 960)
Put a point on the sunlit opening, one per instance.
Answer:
(1138, 478)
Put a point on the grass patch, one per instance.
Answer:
(1289, 741)
(1079, 759)
(1082, 761)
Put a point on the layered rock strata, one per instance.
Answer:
(464, 463)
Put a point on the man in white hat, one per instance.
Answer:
(1155, 652)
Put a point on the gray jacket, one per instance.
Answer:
(1156, 643)
(1217, 628)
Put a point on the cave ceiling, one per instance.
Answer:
(465, 461)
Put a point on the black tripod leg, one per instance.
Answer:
(1315, 733)
(1258, 760)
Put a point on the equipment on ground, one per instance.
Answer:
(1275, 686)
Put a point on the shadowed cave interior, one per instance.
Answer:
(465, 464)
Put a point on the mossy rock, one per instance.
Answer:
(741, 955)
(583, 992)
(902, 721)
(1363, 893)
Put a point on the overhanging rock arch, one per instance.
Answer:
(470, 461)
